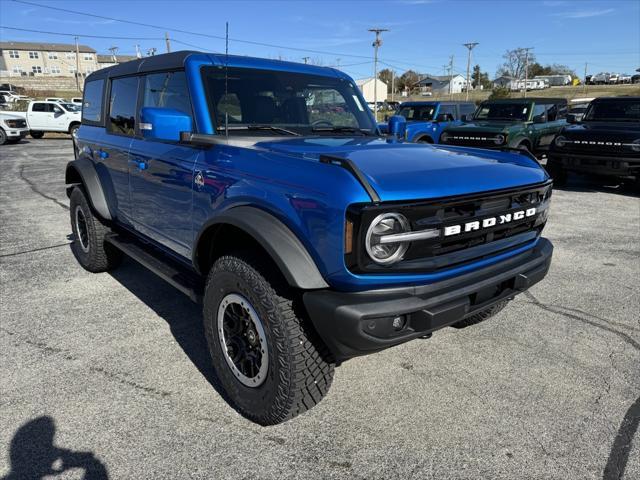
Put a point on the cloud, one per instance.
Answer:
(585, 13)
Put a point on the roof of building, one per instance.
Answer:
(362, 81)
(119, 58)
(439, 78)
(45, 47)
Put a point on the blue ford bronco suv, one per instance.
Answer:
(427, 120)
(263, 190)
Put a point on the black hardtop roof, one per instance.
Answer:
(528, 100)
(623, 97)
(441, 102)
(165, 61)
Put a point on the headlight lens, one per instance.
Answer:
(499, 139)
(386, 224)
(560, 141)
(636, 145)
(444, 138)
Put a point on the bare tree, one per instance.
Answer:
(514, 63)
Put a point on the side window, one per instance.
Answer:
(562, 109)
(39, 107)
(449, 111)
(167, 90)
(539, 110)
(92, 102)
(122, 105)
(54, 108)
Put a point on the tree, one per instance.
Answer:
(499, 92)
(554, 69)
(386, 76)
(480, 78)
(515, 62)
(407, 80)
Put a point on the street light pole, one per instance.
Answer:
(376, 44)
(526, 69)
(469, 46)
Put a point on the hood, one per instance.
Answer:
(630, 129)
(409, 171)
(487, 126)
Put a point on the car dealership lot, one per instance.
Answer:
(549, 388)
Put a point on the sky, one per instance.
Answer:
(422, 34)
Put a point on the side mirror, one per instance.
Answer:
(442, 117)
(464, 118)
(539, 119)
(164, 123)
(397, 126)
(571, 118)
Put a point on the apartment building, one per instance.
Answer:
(46, 59)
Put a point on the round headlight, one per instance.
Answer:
(499, 139)
(636, 145)
(560, 141)
(444, 138)
(386, 253)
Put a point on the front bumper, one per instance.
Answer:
(598, 164)
(353, 324)
(14, 133)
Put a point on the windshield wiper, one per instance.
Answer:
(260, 127)
(339, 129)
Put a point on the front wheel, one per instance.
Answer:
(268, 362)
(3, 137)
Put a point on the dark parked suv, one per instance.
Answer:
(605, 142)
(263, 190)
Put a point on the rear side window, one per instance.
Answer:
(467, 109)
(449, 111)
(122, 105)
(167, 90)
(39, 107)
(92, 102)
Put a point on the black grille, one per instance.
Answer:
(600, 145)
(442, 252)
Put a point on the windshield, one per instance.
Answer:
(71, 107)
(423, 113)
(503, 111)
(284, 103)
(622, 110)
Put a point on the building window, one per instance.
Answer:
(53, 56)
(70, 55)
(17, 69)
(36, 69)
(88, 56)
(34, 55)
(72, 69)
(55, 69)
(14, 54)
(88, 70)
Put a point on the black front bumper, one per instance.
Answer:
(353, 324)
(612, 166)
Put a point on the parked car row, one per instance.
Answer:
(39, 118)
(591, 135)
(606, 78)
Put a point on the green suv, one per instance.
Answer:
(524, 123)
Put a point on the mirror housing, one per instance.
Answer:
(441, 117)
(539, 119)
(164, 123)
(397, 126)
(571, 118)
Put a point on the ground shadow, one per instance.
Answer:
(586, 183)
(34, 456)
(182, 315)
(619, 456)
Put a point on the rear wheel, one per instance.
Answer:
(481, 316)
(425, 140)
(89, 232)
(35, 134)
(268, 362)
(557, 172)
(73, 131)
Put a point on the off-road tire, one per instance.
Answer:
(35, 134)
(557, 173)
(481, 316)
(300, 370)
(100, 256)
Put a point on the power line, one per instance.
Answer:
(80, 34)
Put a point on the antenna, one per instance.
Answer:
(226, 81)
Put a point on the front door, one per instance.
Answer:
(161, 172)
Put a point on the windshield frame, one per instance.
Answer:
(363, 118)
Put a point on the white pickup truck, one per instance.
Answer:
(12, 128)
(43, 116)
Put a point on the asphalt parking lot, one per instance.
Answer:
(110, 372)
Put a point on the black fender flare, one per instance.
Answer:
(284, 247)
(85, 169)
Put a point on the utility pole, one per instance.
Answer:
(113, 51)
(470, 47)
(526, 68)
(166, 39)
(376, 44)
(138, 54)
(226, 39)
(393, 84)
(585, 78)
(451, 77)
(305, 60)
(77, 64)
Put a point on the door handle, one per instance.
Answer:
(140, 163)
(102, 154)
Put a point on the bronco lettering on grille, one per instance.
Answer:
(489, 222)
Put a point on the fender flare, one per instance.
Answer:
(284, 247)
(420, 136)
(91, 182)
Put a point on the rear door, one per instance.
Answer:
(40, 116)
(161, 172)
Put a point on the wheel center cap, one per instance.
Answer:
(252, 337)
